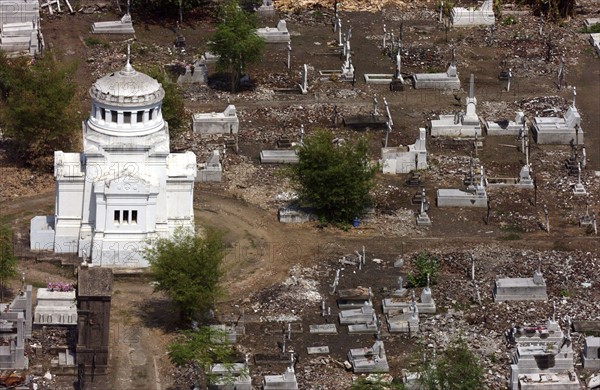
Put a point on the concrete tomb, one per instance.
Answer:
(22, 304)
(295, 215)
(543, 358)
(595, 42)
(560, 131)
(225, 122)
(15, 327)
(233, 376)
(505, 127)
(354, 298)
(422, 216)
(266, 8)
(279, 157)
(212, 169)
(55, 307)
(460, 124)
(12, 328)
(404, 320)
(196, 73)
(21, 38)
(19, 11)
(446, 80)
(578, 188)
(521, 289)
(466, 17)
(357, 316)
(404, 159)
(323, 329)
(425, 306)
(460, 198)
(123, 26)
(285, 381)
(371, 359)
(279, 34)
(591, 353)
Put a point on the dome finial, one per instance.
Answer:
(128, 68)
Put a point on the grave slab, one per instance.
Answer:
(317, 350)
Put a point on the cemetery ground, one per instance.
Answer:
(280, 274)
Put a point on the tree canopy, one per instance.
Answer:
(8, 262)
(188, 269)
(334, 179)
(235, 42)
(38, 112)
(173, 109)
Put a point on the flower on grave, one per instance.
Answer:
(58, 286)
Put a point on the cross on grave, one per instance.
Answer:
(375, 112)
(594, 223)
(384, 36)
(453, 61)
(472, 267)
(336, 281)
(339, 28)
(289, 55)
(392, 43)
(541, 26)
(441, 11)
(304, 85)
(477, 296)
(586, 220)
(387, 111)
(302, 134)
(547, 219)
(398, 74)
(561, 72)
(349, 34)
(509, 79)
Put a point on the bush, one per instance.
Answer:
(425, 264)
(509, 20)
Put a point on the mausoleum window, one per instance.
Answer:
(127, 117)
(152, 114)
(125, 216)
(117, 219)
(103, 113)
(140, 116)
(134, 217)
(114, 116)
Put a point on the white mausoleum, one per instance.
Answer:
(125, 188)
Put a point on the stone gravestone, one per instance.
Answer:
(94, 291)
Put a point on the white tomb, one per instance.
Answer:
(595, 42)
(505, 127)
(125, 189)
(560, 131)
(225, 122)
(460, 124)
(403, 159)
(591, 353)
(446, 80)
(55, 307)
(212, 169)
(123, 26)
(466, 17)
(21, 38)
(278, 34)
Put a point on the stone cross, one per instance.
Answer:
(336, 281)
(302, 134)
(554, 311)
(289, 331)
(283, 343)
(481, 182)
(387, 111)
(561, 72)
(323, 308)
(539, 267)
(441, 10)
(541, 28)
(526, 151)
(428, 272)
(387, 132)
(453, 61)
(304, 85)
(574, 96)
(392, 43)
(423, 208)
(364, 257)
(289, 53)
(347, 49)
(339, 28)
(384, 35)
(594, 223)
(349, 30)
(398, 66)
(400, 282)
(509, 79)
(547, 219)
(579, 173)
(22, 281)
(477, 294)
(472, 267)
(375, 112)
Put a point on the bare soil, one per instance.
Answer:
(278, 273)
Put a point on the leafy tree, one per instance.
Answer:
(173, 108)
(335, 180)
(459, 368)
(188, 269)
(201, 348)
(362, 383)
(235, 42)
(39, 110)
(8, 262)
(425, 263)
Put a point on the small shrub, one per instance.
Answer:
(92, 41)
(425, 263)
(509, 20)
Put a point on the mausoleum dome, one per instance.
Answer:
(127, 86)
(127, 103)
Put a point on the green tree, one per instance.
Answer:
(39, 109)
(459, 368)
(426, 263)
(363, 383)
(188, 269)
(173, 108)
(201, 348)
(235, 42)
(8, 262)
(335, 180)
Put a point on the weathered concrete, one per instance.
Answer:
(279, 157)
(55, 307)
(447, 80)
(403, 159)
(591, 353)
(561, 131)
(460, 198)
(467, 17)
(123, 26)
(211, 170)
(225, 122)
(279, 34)
(505, 127)
(521, 289)
(371, 359)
